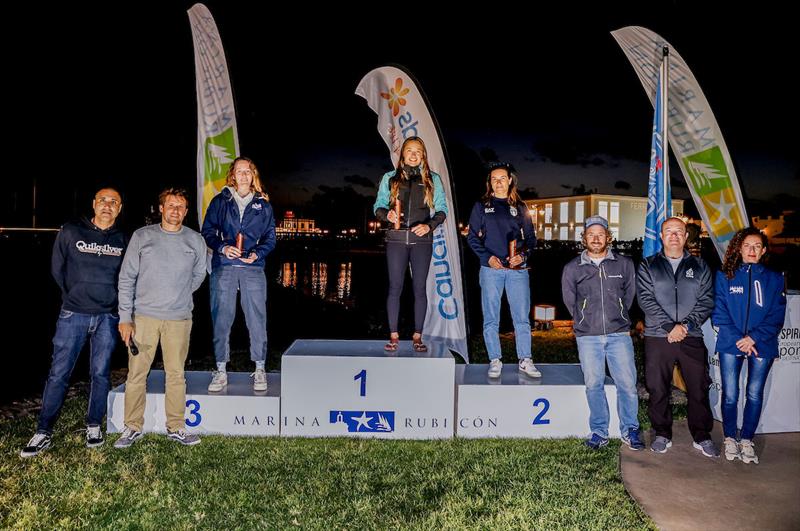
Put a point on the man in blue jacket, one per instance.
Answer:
(676, 292)
(598, 288)
(87, 256)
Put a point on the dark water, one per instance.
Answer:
(318, 290)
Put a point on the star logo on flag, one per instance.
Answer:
(722, 212)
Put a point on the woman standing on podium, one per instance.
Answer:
(502, 235)
(411, 198)
(239, 228)
(749, 309)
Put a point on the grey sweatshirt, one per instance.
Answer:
(160, 272)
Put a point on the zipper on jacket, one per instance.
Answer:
(602, 297)
(749, 287)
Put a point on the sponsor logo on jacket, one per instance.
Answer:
(93, 248)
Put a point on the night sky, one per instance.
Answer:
(106, 94)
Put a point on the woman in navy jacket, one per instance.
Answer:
(749, 309)
(240, 213)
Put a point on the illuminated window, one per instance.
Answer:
(564, 213)
(603, 209)
(579, 212)
(614, 215)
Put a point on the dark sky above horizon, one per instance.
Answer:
(106, 94)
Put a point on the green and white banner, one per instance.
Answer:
(217, 138)
(694, 135)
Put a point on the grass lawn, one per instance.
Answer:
(239, 483)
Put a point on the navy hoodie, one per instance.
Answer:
(85, 265)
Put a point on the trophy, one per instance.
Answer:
(512, 252)
(397, 209)
(240, 243)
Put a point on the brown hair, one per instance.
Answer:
(400, 174)
(177, 192)
(255, 186)
(733, 254)
(513, 197)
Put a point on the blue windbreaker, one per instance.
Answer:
(752, 303)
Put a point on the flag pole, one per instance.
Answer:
(665, 126)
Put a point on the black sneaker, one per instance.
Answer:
(38, 443)
(94, 437)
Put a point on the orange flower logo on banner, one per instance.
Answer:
(395, 96)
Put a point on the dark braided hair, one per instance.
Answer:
(733, 254)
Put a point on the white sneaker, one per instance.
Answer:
(527, 366)
(732, 449)
(748, 451)
(219, 380)
(495, 368)
(259, 380)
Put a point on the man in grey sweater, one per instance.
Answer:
(164, 264)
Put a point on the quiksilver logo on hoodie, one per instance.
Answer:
(93, 248)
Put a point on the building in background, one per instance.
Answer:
(561, 218)
(292, 227)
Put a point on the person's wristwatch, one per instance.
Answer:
(687, 324)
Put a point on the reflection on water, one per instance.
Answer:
(312, 280)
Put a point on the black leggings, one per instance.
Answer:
(404, 247)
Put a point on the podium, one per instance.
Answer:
(237, 410)
(356, 389)
(516, 405)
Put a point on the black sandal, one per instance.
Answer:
(392, 345)
(418, 345)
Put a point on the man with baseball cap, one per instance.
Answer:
(598, 288)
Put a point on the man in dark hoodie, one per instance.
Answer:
(87, 256)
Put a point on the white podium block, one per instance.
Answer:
(516, 405)
(356, 389)
(237, 410)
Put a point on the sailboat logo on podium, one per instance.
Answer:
(364, 421)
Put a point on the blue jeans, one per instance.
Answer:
(252, 284)
(72, 330)
(730, 366)
(518, 291)
(617, 350)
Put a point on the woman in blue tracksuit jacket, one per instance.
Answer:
(240, 208)
(749, 309)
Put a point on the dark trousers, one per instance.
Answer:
(691, 356)
(403, 247)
